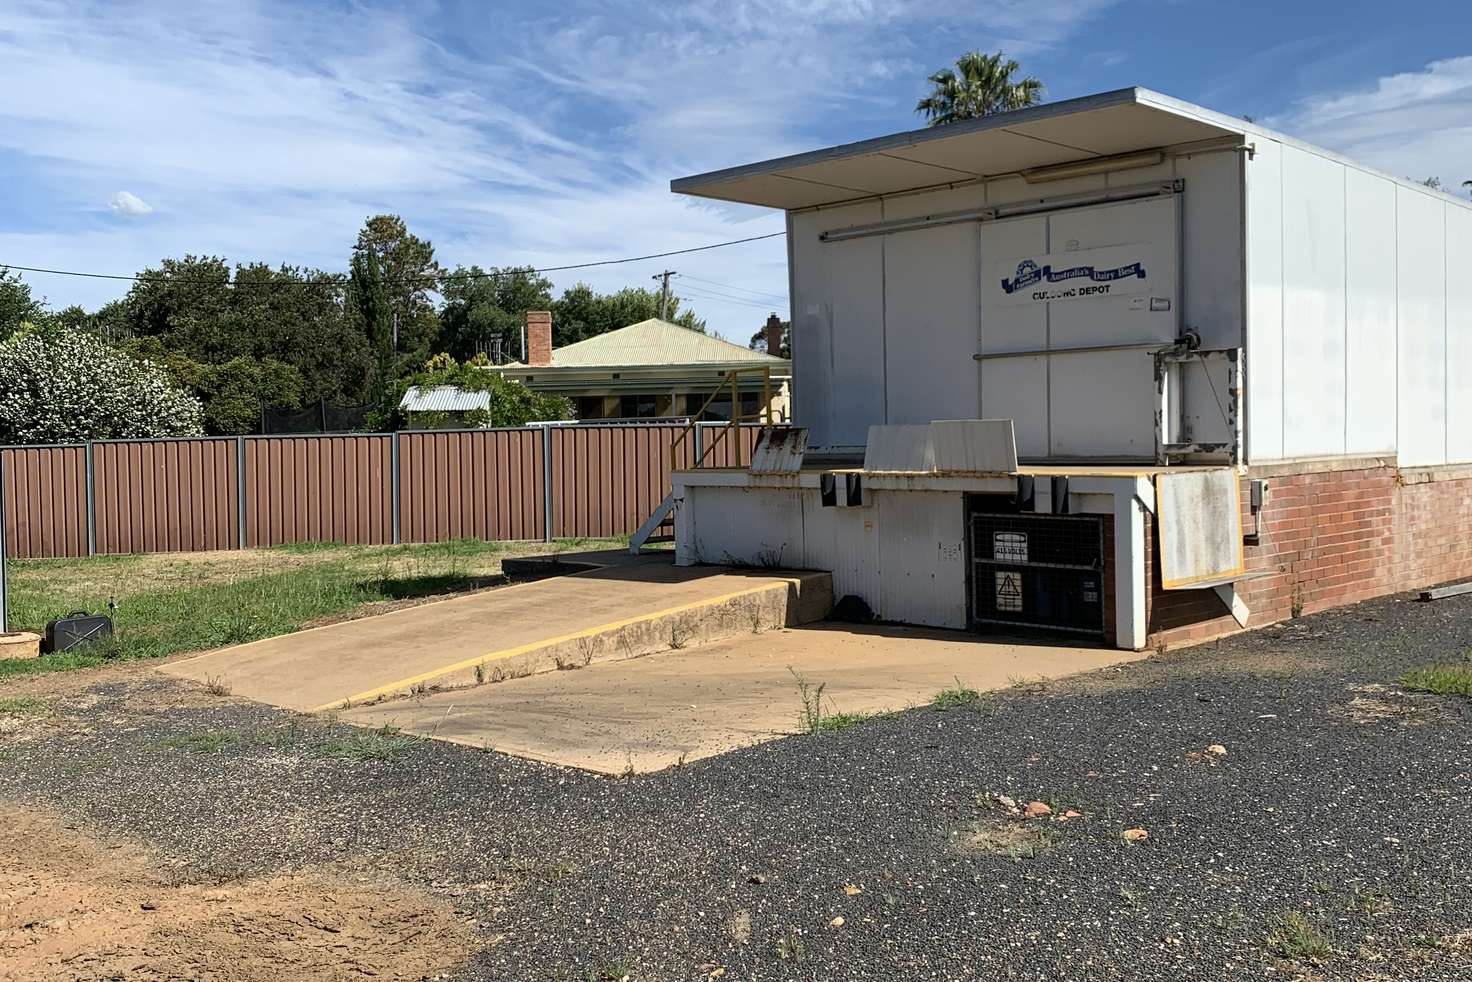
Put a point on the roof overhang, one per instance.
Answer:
(1099, 126)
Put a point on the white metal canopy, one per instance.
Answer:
(1083, 129)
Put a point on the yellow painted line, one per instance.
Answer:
(531, 646)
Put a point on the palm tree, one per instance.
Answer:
(980, 85)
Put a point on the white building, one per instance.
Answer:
(1175, 308)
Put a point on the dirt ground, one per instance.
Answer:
(74, 908)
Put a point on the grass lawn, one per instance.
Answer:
(193, 601)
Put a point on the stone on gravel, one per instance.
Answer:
(1036, 809)
(1134, 835)
(1217, 750)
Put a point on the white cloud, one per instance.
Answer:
(1412, 124)
(546, 135)
(129, 205)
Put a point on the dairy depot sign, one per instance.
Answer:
(1083, 274)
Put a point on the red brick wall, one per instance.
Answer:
(1330, 538)
(538, 337)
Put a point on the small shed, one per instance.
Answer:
(435, 407)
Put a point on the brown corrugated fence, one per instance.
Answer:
(192, 495)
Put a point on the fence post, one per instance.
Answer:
(4, 594)
(240, 492)
(547, 483)
(91, 504)
(394, 483)
(699, 444)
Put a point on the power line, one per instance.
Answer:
(733, 286)
(689, 294)
(337, 278)
(759, 301)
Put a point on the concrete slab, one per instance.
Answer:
(650, 713)
(618, 611)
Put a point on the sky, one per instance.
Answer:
(547, 133)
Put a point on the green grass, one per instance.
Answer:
(23, 706)
(193, 602)
(958, 695)
(379, 744)
(1296, 937)
(812, 717)
(1445, 680)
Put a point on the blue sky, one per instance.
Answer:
(547, 133)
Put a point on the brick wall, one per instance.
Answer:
(538, 337)
(1330, 538)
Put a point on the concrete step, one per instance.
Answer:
(605, 613)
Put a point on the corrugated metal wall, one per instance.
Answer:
(45, 501)
(192, 495)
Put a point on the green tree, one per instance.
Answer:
(372, 312)
(17, 306)
(233, 393)
(582, 313)
(482, 306)
(410, 274)
(980, 85)
(69, 386)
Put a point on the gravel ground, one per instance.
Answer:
(1339, 797)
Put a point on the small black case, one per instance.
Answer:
(76, 629)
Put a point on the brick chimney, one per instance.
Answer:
(774, 335)
(539, 337)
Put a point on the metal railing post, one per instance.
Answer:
(393, 465)
(240, 492)
(91, 504)
(547, 475)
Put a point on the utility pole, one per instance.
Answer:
(664, 292)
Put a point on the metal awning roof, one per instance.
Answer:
(1074, 130)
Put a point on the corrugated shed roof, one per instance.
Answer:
(443, 399)
(654, 342)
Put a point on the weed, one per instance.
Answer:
(23, 706)
(419, 690)
(958, 695)
(1444, 680)
(1295, 936)
(812, 718)
(208, 742)
(480, 673)
(791, 948)
(380, 744)
(678, 638)
(1295, 603)
(216, 685)
(586, 647)
(617, 971)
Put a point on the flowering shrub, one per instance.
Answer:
(68, 386)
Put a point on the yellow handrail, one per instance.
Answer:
(736, 420)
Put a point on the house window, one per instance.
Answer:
(638, 407)
(590, 407)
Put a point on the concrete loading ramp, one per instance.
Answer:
(601, 614)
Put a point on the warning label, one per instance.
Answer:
(1009, 547)
(1009, 591)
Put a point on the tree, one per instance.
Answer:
(482, 306)
(980, 85)
(580, 313)
(409, 273)
(17, 306)
(372, 311)
(61, 386)
(233, 393)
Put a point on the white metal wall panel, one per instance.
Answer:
(1211, 294)
(1015, 388)
(1421, 336)
(930, 324)
(1458, 336)
(1313, 305)
(838, 326)
(1369, 363)
(922, 556)
(1264, 360)
(844, 541)
(1103, 403)
(737, 525)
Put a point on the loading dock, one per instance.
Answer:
(1143, 290)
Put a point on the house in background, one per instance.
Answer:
(651, 370)
(440, 407)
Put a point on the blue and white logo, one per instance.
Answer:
(1029, 273)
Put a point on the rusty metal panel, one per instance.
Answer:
(470, 484)
(163, 495)
(317, 489)
(45, 502)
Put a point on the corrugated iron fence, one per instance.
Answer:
(189, 495)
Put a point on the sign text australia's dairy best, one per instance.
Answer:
(1083, 274)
